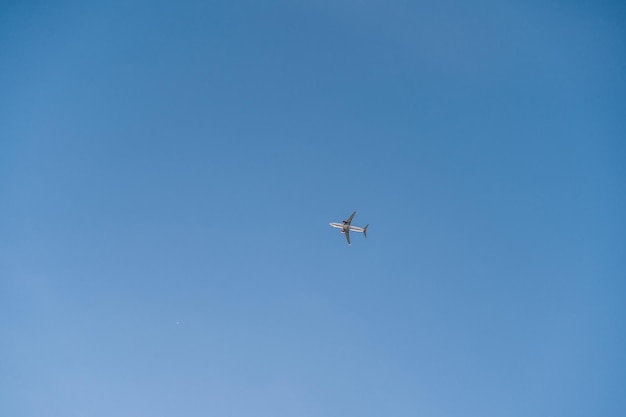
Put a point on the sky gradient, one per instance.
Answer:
(168, 172)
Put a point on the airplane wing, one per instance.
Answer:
(350, 218)
(347, 233)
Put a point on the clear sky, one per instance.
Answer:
(168, 171)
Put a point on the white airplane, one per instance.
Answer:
(346, 227)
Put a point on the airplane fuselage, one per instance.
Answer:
(346, 226)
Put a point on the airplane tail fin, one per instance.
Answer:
(365, 231)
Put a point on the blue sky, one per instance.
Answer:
(168, 172)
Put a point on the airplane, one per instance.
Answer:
(346, 227)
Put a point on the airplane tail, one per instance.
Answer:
(365, 231)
